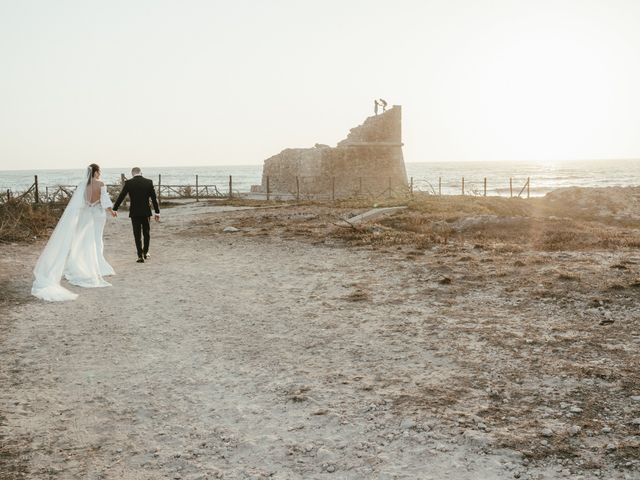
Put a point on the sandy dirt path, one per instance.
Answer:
(235, 357)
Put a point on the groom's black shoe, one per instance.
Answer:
(140, 260)
(146, 256)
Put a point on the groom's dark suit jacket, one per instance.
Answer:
(140, 190)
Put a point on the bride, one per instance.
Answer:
(75, 248)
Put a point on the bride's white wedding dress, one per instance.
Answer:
(75, 248)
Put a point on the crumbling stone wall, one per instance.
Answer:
(369, 162)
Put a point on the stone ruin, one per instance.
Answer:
(368, 162)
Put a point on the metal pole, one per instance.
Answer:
(46, 193)
(36, 191)
(462, 185)
(333, 189)
(439, 185)
(411, 186)
(485, 186)
(297, 189)
(230, 186)
(159, 185)
(528, 186)
(510, 187)
(197, 196)
(268, 189)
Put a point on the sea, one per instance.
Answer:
(433, 177)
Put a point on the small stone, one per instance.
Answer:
(575, 409)
(635, 421)
(635, 398)
(611, 446)
(230, 229)
(407, 423)
(574, 430)
(325, 456)
(606, 430)
(331, 468)
(478, 439)
(547, 432)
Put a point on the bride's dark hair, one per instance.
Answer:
(94, 168)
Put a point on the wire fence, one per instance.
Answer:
(295, 188)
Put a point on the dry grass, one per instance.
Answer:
(20, 221)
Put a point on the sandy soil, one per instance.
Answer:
(281, 351)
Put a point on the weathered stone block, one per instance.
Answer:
(368, 162)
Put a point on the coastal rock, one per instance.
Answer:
(230, 229)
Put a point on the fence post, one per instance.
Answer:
(333, 189)
(411, 187)
(35, 177)
(510, 187)
(46, 194)
(8, 194)
(197, 196)
(485, 186)
(462, 185)
(268, 189)
(439, 185)
(159, 186)
(528, 186)
(230, 186)
(297, 189)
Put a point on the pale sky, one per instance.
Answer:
(206, 82)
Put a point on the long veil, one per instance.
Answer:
(51, 264)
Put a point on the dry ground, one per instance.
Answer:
(461, 339)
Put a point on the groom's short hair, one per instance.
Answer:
(136, 171)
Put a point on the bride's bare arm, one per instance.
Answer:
(105, 200)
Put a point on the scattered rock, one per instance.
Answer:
(547, 432)
(575, 409)
(445, 281)
(324, 455)
(479, 439)
(574, 430)
(407, 424)
(230, 229)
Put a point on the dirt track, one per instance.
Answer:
(250, 355)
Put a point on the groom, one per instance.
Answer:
(140, 190)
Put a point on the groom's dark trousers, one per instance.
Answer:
(141, 225)
(140, 191)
